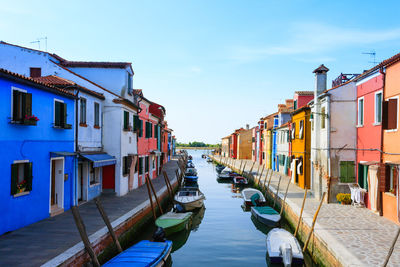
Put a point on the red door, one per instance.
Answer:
(109, 177)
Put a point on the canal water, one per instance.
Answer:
(222, 234)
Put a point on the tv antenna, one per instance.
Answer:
(39, 40)
(372, 54)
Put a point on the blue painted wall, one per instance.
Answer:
(274, 145)
(33, 143)
(93, 190)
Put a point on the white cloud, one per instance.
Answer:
(195, 69)
(309, 38)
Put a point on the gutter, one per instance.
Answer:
(329, 144)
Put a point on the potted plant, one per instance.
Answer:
(344, 199)
(31, 120)
(21, 186)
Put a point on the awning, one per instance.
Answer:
(100, 160)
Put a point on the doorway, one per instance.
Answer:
(109, 177)
(56, 186)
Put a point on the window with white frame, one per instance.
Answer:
(378, 107)
(360, 112)
(82, 111)
(94, 174)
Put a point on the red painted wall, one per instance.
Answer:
(233, 146)
(302, 100)
(369, 136)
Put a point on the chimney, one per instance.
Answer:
(320, 79)
(247, 126)
(289, 103)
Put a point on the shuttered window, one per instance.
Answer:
(146, 164)
(360, 112)
(378, 107)
(390, 114)
(60, 114)
(96, 114)
(126, 163)
(126, 120)
(136, 123)
(140, 128)
(21, 177)
(82, 111)
(22, 105)
(293, 134)
(141, 165)
(347, 172)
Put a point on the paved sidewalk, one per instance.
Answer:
(40, 242)
(356, 236)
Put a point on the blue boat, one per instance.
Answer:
(144, 253)
(191, 178)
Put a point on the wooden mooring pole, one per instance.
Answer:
(151, 201)
(277, 191)
(240, 167)
(244, 167)
(266, 177)
(301, 212)
(154, 192)
(284, 198)
(270, 178)
(168, 184)
(391, 248)
(82, 232)
(258, 169)
(108, 224)
(259, 177)
(252, 167)
(313, 222)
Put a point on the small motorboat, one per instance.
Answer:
(234, 174)
(173, 222)
(225, 174)
(220, 168)
(191, 178)
(249, 192)
(204, 156)
(144, 253)
(266, 215)
(209, 160)
(190, 165)
(190, 198)
(283, 247)
(191, 171)
(190, 157)
(239, 180)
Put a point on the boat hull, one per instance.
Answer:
(267, 219)
(275, 238)
(192, 205)
(248, 192)
(172, 225)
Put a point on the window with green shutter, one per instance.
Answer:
(21, 177)
(141, 165)
(96, 114)
(347, 172)
(136, 123)
(146, 164)
(140, 128)
(22, 106)
(126, 121)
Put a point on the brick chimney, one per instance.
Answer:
(289, 103)
(247, 126)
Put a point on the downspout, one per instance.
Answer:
(76, 146)
(382, 71)
(328, 129)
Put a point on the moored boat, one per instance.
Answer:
(190, 198)
(144, 253)
(219, 168)
(240, 180)
(173, 222)
(191, 178)
(283, 247)
(266, 215)
(225, 174)
(249, 192)
(191, 171)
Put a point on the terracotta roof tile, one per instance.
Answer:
(321, 68)
(62, 83)
(304, 92)
(31, 80)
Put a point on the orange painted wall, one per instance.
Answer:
(389, 207)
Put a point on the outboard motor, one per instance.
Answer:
(179, 208)
(286, 252)
(159, 235)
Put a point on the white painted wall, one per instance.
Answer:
(89, 138)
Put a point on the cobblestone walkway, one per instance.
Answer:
(40, 242)
(356, 236)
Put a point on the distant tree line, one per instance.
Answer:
(196, 144)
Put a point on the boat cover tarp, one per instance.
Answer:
(144, 253)
(266, 210)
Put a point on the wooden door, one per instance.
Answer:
(109, 177)
(53, 182)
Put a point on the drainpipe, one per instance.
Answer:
(76, 147)
(383, 72)
(328, 129)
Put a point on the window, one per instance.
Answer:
(126, 164)
(323, 115)
(35, 72)
(295, 105)
(141, 165)
(60, 115)
(130, 89)
(21, 106)
(82, 111)
(146, 164)
(140, 128)
(265, 125)
(360, 113)
(378, 108)
(96, 114)
(389, 114)
(347, 172)
(155, 131)
(263, 155)
(126, 121)
(21, 177)
(154, 162)
(94, 174)
(301, 129)
(293, 134)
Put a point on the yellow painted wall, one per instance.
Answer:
(302, 147)
(244, 146)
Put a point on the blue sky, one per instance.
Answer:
(214, 65)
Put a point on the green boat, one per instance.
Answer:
(173, 222)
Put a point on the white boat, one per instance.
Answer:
(249, 192)
(283, 247)
(190, 198)
(240, 180)
(191, 172)
(225, 174)
(190, 165)
(266, 215)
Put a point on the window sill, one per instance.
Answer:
(66, 127)
(83, 124)
(391, 131)
(24, 123)
(22, 194)
(390, 194)
(377, 124)
(94, 184)
(125, 174)
(96, 127)
(359, 126)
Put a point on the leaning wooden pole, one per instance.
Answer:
(301, 212)
(82, 232)
(108, 224)
(391, 248)
(265, 179)
(284, 198)
(259, 177)
(168, 185)
(154, 192)
(151, 201)
(244, 167)
(277, 191)
(270, 178)
(252, 166)
(240, 166)
(313, 222)
(258, 169)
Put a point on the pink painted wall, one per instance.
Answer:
(302, 100)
